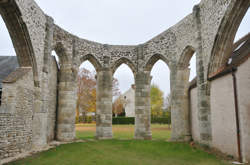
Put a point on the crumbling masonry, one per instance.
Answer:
(39, 99)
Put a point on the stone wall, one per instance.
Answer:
(16, 113)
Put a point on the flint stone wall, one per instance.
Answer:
(16, 115)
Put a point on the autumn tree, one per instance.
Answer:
(86, 93)
(156, 96)
(118, 106)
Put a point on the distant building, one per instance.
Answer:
(8, 64)
(128, 99)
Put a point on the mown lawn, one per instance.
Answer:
(87, 131)
(122, 152)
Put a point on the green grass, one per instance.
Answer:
(122, 152)
(159, 131)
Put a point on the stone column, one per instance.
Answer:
(39, 123)
(180, 118)
(104, 104)
(204, 113)
(142, 106)
(203, 85)
(66, 104)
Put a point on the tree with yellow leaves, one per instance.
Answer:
(156, 96)
(86, 93)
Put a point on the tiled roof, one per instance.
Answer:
(17, 74)
(7, 65)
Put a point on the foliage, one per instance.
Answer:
(156, 96)
(89, 119)
(161, 120)
(118, 107)
(86, 93)
(123, 120)
(131, 120)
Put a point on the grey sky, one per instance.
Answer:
(118, 22)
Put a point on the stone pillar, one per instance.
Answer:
(104, 105)
(39, 122)
(204, 112)
(180, 105)
(66, 104)
(142, 106)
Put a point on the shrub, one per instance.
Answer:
(88, 119)
(131, 120)
(161, 120)
(123, 120)
(77, 120)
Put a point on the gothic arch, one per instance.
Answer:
(19, 34)
(186, 56)
(92, 59)
(61, 52)
(223, 43)
(121, 61)
(153, 59)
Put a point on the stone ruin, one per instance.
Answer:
(39, 99)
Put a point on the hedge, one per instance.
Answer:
(86, 119)
(161, 120)
(123, 120)
(131, 120)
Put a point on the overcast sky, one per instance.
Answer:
(118, 22)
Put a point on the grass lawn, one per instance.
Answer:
(87, 131)
(122, 152)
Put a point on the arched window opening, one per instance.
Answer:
(123, 102)
(160, 101)
(8, 59)
(6, 46)
(192, 67)
(244, 27)
(56, 58)
(86, 101)
(241, 41)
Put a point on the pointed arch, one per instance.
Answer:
(19, 34)
(186, 56)
(93, 60)
(121, 61)
(153, 59)
(223, 44)
(61, 53)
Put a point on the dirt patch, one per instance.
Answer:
(161, 129)
(126, 129)
(85, 128)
